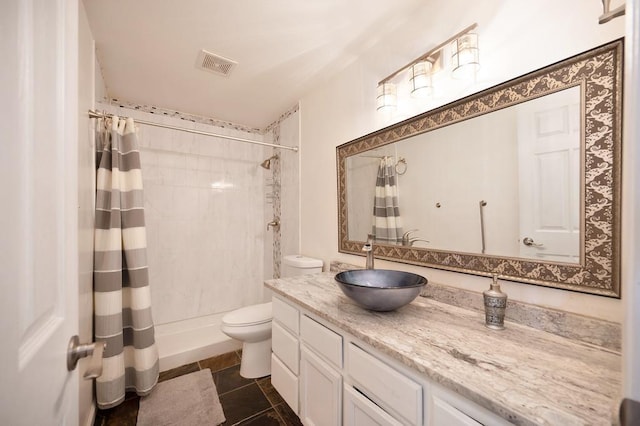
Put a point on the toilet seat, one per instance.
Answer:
(249, 315)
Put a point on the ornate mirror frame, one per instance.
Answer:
(599, 73)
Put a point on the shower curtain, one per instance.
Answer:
(387, 224)
(121, 280)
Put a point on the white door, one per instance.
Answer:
(549, 170)
(38, 216)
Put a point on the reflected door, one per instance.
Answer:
(549, 177)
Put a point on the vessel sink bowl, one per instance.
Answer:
(380, 289)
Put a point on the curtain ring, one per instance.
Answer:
(404, 169)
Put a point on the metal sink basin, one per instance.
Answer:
(380, 289)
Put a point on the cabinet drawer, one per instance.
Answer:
(322, 340)
(359, 411)
(285, 346)
(444, 414)
(285, 382)
(286, 314)
(385, 386)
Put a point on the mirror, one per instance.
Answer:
(521, 179)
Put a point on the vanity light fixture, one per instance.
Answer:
(465, 57)
(386, 99)
(421, 83)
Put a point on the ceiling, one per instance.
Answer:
(147, 50)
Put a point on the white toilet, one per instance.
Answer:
(252, 324)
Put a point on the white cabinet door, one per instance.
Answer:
(360, 411)
(320, 391)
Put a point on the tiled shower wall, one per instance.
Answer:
(289, 186)
(205, 216)
(282, 193)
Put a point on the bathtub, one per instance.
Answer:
(187, 341)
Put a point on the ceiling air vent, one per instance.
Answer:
(215, 63)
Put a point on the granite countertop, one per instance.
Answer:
(527, 376)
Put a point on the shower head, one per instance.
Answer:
(266, 164)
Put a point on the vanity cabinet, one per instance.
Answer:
(306, 364)
(330, 378)
(285, 357)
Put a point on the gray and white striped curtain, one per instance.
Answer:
(121, 279)
(387, 224)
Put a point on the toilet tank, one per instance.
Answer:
(295, 264)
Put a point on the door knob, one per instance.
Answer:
(528, 241)
(77, 350)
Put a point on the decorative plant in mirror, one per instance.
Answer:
(551, 214)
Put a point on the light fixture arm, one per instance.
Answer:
(429, 53)
(609, 14)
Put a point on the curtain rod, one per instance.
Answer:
(94, 114)
(401, 160)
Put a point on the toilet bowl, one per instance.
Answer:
(252, 324)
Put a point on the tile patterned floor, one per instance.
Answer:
(244, 401)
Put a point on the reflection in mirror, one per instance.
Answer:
(521, 180)
(514, 191)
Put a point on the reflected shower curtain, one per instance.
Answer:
(121, 280)
(387, 224)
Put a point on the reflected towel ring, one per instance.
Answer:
(404, 169)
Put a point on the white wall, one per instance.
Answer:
(101, 92)
(516, 37)
(444, 169)
(203, 210)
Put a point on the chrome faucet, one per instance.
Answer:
(412, 241)
(368, 247)
(408, 241)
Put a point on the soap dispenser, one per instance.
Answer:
(495, 303)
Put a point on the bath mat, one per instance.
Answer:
(189, 400)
